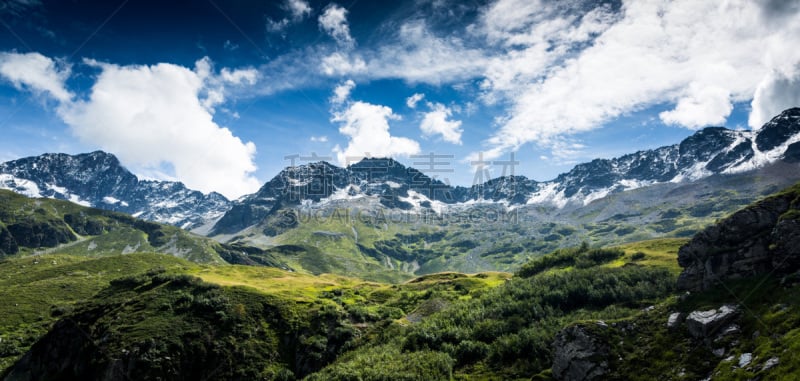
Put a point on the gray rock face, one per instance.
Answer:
(703, 324)
(675, 319)
(745, 359)
(579, 356)
(756, 240)
(771, 363)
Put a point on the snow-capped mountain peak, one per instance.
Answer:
(98, 179)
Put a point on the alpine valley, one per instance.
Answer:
(679, 263)
(380, 220)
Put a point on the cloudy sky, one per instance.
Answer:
(221, 94)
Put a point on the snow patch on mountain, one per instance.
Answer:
(549, 193)
(21, 186)
(97, 179)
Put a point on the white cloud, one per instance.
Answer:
(435, 122)
(276, 26)
(37, 73)
(239, 76)
(319, 139)
(414, 54)
(774, 94)
(700, 107)
(151, 115)
(298, 9)
(342, 92)
(366, 126)
(412, 101)
(700, 56)
(333, 21)
(215, 86)
(338, 64)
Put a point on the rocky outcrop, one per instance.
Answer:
(8, 245)
(786, 239)
(762, 238)
(35, 233)
(675, 319)
(703, 324)
(579, 355)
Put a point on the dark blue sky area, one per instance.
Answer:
(232, 87)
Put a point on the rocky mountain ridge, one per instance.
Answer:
(99, 180)
(711, 151)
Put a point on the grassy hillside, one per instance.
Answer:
(37, 291)
(156, 316)
(135, 299)
(47, 226)
(152, 315)
(506, 333)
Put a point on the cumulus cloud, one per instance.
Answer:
(366, 126)
(342, 92)
(298, 9)
(36, 73)
(412, 101)
(775, 93)
(435, 122)
(699, 56)
(700, 106)
(152, 115)
(319, 139)
(333, 21)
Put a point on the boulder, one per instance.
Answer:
(675, 319)
(771, 363)
(703, 324)
(578, 355)
(745, 359)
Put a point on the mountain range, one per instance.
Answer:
(380, 220)
(711, 151)
(98, 179)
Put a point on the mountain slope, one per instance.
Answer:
(714, 150)
(146, 316)
(98, 179)
(47, 226)
(378, 215)
(583, 313)
(361, 237)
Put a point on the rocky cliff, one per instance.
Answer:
(760, 239)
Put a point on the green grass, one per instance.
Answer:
(662, 252)
(48, 226)
(36, 291)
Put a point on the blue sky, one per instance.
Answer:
(217, 94)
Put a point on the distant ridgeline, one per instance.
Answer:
(380, 220)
